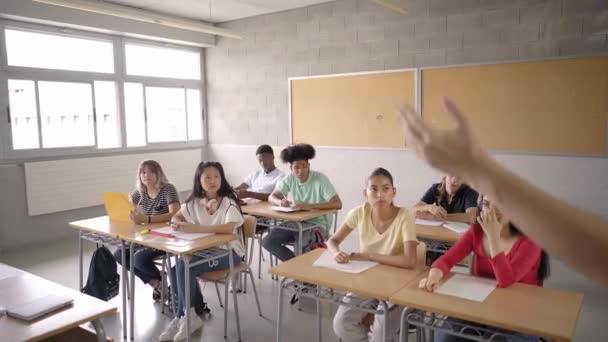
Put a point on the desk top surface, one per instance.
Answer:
(23, 287)
(379, 282)
(534, 310)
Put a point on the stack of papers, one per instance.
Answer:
(471, 288)
(354, 266)
(181, 235)
(457, 227)
(429, 222)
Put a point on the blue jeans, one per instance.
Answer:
(143, 267)
(196, 298)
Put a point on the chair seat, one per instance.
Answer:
(221, 274)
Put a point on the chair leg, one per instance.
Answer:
(260, 255)
(219, 297)
(255, 292)
(173, 301)
(163, 281)
(226, 280)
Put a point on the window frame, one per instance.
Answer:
(7, 153)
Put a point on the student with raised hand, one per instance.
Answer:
(449, 200)
(155, 200)
(261, 183)
(387, 234)
(310, 190)
(212, 207)
(577, 237)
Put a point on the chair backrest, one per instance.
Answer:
(249, 225)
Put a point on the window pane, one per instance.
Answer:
(166, 114)
(134, 114)
(162, 62)
(24, 116)
(49, 51)
(66, 111)
(108, 128)
(195, 114)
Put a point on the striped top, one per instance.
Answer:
(158, 205)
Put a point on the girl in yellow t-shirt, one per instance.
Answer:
(387, 236)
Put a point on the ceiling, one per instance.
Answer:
(216, 11)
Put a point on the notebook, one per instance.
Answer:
(118, 205)
(39, 307)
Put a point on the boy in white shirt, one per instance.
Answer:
(260, 184)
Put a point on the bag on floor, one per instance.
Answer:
(103, 281)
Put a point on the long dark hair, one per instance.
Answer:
(544, 269)
(225, 189)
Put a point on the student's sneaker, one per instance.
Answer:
(195, 324)
(170, 330)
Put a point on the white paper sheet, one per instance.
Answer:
(354, 266)
(181, 235)
(471, 288)
(429, 222)
(7, 271)
(457, 227)
(283, 209)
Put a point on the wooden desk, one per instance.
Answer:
(264, 209)
(126, 231)
(364, 284)
(26, 287)
(533, 310)
(379, 282)
(436, 233)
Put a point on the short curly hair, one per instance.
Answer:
(296, 152)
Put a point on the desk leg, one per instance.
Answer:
(123, 283)
(234, 293)
(403, 326)
(80, 271)
(280, 308)
(319, 323)
(99, 330)
(186, 259)
(300, 242)
(385, 327)
(132, 290)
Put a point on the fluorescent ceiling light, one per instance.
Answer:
(114, 10)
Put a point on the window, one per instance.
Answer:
(69, 93)
(162, 62)
(169, 114)
(66, 114)
(106, 113)
(52, 51)
(23, 114)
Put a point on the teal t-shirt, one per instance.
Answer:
(316, 189)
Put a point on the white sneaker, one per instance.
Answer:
(170, 330)
(195, 324)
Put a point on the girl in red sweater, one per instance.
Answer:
(500, 251)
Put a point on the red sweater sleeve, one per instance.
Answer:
(457, 252)
(523, 260)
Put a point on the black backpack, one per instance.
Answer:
(103, 281)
